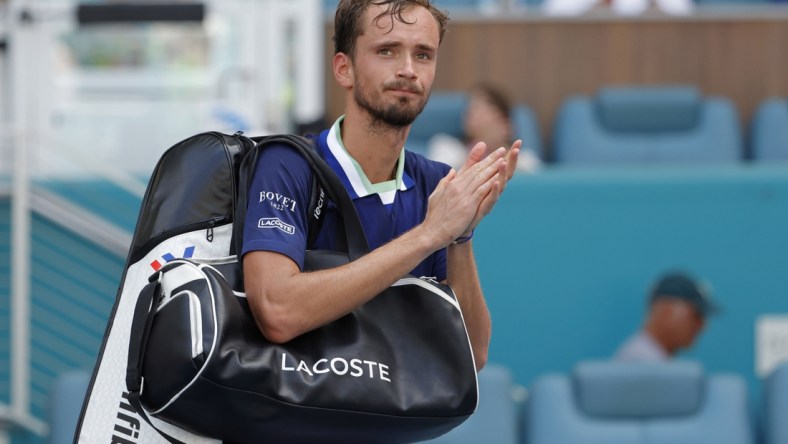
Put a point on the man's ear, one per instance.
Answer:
(343, 70)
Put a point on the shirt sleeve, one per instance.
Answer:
(276, 217)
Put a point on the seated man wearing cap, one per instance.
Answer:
(678, 306)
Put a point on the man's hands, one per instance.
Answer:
(511, 162)
(464, 197)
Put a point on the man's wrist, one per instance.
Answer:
(422, 238)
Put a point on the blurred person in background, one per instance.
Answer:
(619, 7)
(487, 119)
(678, 307)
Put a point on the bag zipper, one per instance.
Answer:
(209, 233)
(207, 224)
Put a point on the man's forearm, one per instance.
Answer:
(287, 302)
(464, 279)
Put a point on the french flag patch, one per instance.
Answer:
(167, 257)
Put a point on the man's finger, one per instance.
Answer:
(491, 170)
(487, 203)
(476, 154)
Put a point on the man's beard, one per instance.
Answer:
(397, 115)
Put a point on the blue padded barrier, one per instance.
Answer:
(556, 411)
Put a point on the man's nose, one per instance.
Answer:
(406, 68)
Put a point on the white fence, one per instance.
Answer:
(104, 100)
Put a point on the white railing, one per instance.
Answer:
(63, 118)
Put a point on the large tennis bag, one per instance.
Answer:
(398, 369)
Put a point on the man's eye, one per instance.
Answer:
(385, 52)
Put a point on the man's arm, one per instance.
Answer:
(287, 302)
(464, 280)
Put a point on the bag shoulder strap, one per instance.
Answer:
(352, 235)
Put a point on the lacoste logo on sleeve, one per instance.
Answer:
(272, 222)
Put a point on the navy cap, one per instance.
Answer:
(678, 285)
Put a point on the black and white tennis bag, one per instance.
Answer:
(184, 361)
(187, 212)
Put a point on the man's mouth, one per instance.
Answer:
(404, 88)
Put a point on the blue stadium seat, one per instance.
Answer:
(65, 405)
(734, 2)
(769, 137)
(624, 402)
(647, 125)
(497, 417)
(444, 113)
(775, 392)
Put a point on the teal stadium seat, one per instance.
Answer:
(444, 114)
(769, 131)
(497, 417)
(775, 391)
(607, 402)
(647, 125)
(735, 2)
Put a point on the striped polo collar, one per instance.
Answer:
(354, 177)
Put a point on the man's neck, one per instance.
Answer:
(376, 147)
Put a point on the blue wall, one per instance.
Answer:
(73, 287)
(74, 284)
(567, 258)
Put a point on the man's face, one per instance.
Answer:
(394, 65)
(686, 322)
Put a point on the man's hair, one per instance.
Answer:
(495, 97)
(348, 25)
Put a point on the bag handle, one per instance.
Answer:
(354, 238)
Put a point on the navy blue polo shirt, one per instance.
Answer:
(276, 218)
